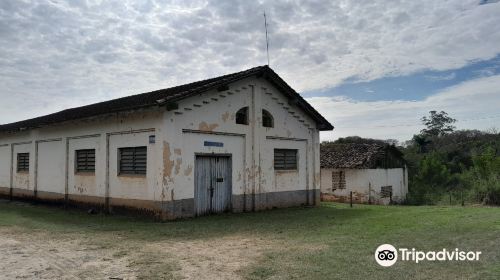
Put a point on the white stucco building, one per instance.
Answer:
(374, 173)
(240, 142)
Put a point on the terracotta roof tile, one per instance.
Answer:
(352, 155)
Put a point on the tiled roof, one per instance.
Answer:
(164, 96)
(355, 155)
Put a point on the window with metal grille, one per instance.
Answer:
(386, 191)
(338, 180)
(267, 119)
(132, 160)
(85, 161)
(242, 116)
(23, 162)
(285, 159)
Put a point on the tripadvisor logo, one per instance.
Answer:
(387, 255)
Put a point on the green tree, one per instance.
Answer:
(437, 124)
(483, 178)
(421, 142)
(430, 181)
(433, 172)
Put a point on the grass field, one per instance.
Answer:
(332, 241)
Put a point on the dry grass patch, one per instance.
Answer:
(329, 242)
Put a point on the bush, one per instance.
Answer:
(430, 182)
(483, 178)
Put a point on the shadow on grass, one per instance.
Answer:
(289, 222)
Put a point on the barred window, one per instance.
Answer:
(132, 160)
(85, 160)
(386, 191)
(285, 159)
(23, 162)
(338, 180)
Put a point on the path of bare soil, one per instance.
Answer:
(29, 255)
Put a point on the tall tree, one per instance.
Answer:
(421, 142)
(437, 124)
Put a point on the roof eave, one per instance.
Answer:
(321, 123)
(267, 73)
(262, 71)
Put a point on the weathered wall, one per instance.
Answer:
(133, 191)
(293, 129)
(366, 184)
(22, 182)
(168, 187)
(211, 117)
(285, 180)
(89, 187)
(52, 173)
(50, 169)
(4, 169)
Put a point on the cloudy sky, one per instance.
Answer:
(373, 68)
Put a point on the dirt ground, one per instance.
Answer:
(330, 241)
(41, 256)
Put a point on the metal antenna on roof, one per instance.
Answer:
(267, 39)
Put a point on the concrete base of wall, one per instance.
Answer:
(359, 198)
(182, 208)
(262, 201)
(4, 192)
(50, 197)
(23, 194)
(164, 210)
(86, 202)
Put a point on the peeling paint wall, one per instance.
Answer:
(211, 117)
(366, 184)
(86, 184)
(179, 135)
(4, 169)
(52, 158)
(192, 144)
(133, 186)
(285, 180)
(23, 180)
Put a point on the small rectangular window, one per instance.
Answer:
(285, 159)
(338, 180)
(386, 191)
(85, 161)
(132, 160)
(23, 162)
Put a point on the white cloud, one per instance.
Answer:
(57, 54)
(474, 103)
(447, 77)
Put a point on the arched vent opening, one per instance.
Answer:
(267, 119)
(242, 116)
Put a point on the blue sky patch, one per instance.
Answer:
(416, 86)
